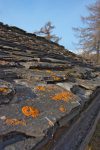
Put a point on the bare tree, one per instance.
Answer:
(89, 36)
(46, 31)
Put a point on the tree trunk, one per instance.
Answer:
(98, 54)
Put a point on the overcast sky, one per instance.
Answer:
(31, 15)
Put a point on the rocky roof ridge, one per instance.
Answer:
(23, 32)
(42, 88)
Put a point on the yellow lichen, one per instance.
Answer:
(40, 88)
(62, 108)
(15, 122)
(30, 111)
(65, 96)
(49, 71)
(3, 89)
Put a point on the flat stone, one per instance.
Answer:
(20, 141)
(89, 84)
(49, 110)
(66, 85)
(82, 92)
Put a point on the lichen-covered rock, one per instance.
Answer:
(43, 87)
(6, 92)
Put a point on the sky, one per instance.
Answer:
(31, 15)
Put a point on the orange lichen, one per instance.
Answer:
(53, 75)
(30, 111)
(65, 96)
(62, 108)
(44, 88)
(3, 89)
(56, 78)
(15, 122)
(40, 88)
(49, 71)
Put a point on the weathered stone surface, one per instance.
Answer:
(6, 92)
(42, 88)
(47, 105)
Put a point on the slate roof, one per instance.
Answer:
(42, 87)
